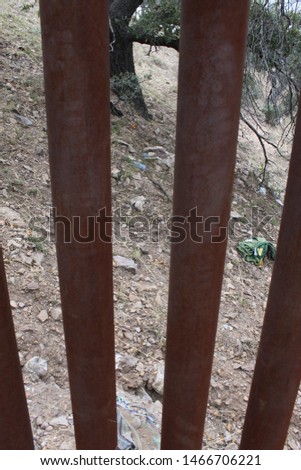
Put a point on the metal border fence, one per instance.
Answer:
(75, 38)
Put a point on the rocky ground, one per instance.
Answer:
(142, 175)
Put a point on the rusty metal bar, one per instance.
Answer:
(212, 49)
(75, 37)
(15, 428)
(278, 367)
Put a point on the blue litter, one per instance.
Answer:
(139, 165)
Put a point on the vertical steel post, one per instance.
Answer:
(75, 37)
(15, 429)
(212, 49)
(278, 367)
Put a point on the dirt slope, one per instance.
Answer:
(140, 186)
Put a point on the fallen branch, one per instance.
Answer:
(262, 139)
(158, 186)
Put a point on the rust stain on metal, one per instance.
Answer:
(278, 367)
(212, 50)
(75, 38)
(15, 429)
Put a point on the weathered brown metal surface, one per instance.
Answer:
(15, 429)
(278, 367)
(75, 36)
(212, 49)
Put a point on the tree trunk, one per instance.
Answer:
(124, 79)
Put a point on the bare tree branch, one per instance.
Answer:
(158, 41)
(262, 140)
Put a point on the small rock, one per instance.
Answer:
(144, 250)
(143, 287)
(249, 367)
(232, 316)
(45, 179)
(159, 116)
(126, 363)
(132, 297)
(217, 403)
(38, 258)
(39, 421)
(158, 383)
(13, 304)
(21, 358)
(137, 306)
(67, 445)
(33, 286)
(138, 203)
(126, 263)
(231, 446)
(230, 286)
(293, 444)
(126, 144)
(128, 335)
(23, 119)
(116, 173)
(37, 366)
(156, 150)
(235, 215)
(159, 300)
(168, 162)
(11, 217)
(136, 422)
(26, 259)
(140, 368)
(43, 316)
(59, 421)
(27, 167)
(240, 182)
(56, 314)
(213, 383)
